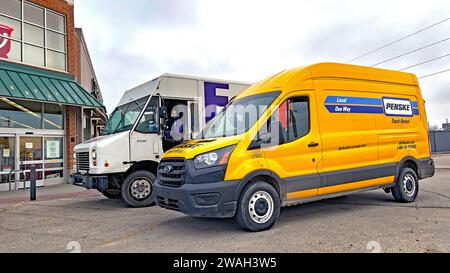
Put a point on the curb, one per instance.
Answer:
(50, 197)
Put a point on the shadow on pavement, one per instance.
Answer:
(318, 209)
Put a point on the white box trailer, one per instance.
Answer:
(149, 119)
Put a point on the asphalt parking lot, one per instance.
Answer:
(358, 223)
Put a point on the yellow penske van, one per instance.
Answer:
(304, 134)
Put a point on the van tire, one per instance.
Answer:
(136, 185)
(406, 187)
(112, 194)
(266, 198)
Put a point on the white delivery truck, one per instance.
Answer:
(150, 119)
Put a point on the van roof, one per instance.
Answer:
(295, 76)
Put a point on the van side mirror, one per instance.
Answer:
(275, 138)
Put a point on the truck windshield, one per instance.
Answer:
(239, 116)
(124, 117)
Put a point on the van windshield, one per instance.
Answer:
(124, 117)
(239, 116)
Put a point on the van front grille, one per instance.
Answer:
(172, 172)
(82, 159)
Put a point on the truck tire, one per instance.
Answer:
(406, 187)
(137, 189)
(112, 194)
(258, 207)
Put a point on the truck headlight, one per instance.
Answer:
(213, 158)
(94, 157)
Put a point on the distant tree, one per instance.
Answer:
(433, 127)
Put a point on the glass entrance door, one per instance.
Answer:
(30, 153)
(7, 160)
(53, 160)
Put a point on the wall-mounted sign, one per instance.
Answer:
(5, 42)
(52, 150)
(28, 145)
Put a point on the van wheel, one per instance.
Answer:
(112, 194)
(406, 187)
(137, 189)
(259, 207)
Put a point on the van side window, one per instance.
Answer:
(293, 118)
(297, 118)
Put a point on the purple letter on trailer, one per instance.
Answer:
(212, 99)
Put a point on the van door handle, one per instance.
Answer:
(313, 144)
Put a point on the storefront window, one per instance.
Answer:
(54, 166)
(55, 22)
(33, 35)
(11, 7)
(16, 51)
(53, 116)
(7, 157)
(53, 148)
(31, 149)
(33, 14)
(15, 24)
(7, 153)
(20, 114)
(28, 115)
(34, 55)
(39, 38)
(56, 60)
(55, 40)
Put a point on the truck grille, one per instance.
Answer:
(172, 172)
(82, 161)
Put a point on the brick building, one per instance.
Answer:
(50, 99)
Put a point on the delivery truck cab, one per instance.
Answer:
(304, 134)
(149, 119)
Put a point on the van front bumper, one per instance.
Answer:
(215, 199)
(90, 181)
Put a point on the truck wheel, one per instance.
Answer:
(259, 207)
(406, 187)
(112, 194)
(137, 189)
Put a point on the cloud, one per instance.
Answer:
(136, 40)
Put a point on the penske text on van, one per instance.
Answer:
(304, 134)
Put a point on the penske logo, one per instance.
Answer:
(397, 107)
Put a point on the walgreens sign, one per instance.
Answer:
(5, 42)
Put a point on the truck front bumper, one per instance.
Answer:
(90, 181)
(216, 199)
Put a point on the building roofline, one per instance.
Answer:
(79, 33)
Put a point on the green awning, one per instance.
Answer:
(24, 82)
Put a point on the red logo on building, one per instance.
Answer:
(5, 42)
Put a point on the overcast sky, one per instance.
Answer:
(134, 41)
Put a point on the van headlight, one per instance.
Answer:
(214, 158)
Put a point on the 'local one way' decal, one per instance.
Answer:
(389, 106)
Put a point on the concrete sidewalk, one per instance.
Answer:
(52, 192)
